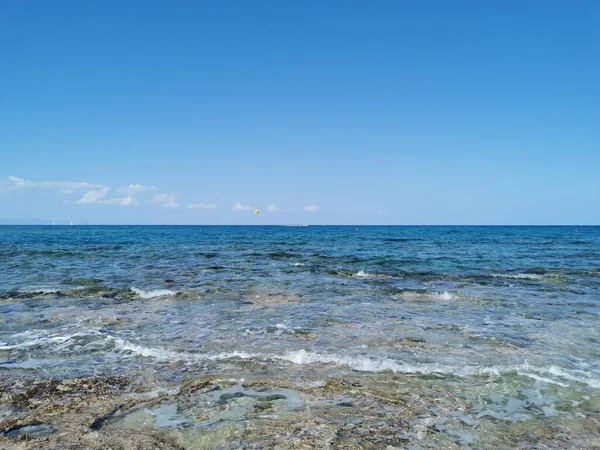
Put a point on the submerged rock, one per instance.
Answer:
(29, 431)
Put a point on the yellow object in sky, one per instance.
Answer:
(257, 212)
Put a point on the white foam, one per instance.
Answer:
(542, 379)
(153, 294)
(50, 290)
(170, 355)
(39, 340)
(40, 291)
(363, 363)
(585, 378)
(519, 276)
(442, 296)
(432, 295)
(301, 357)
(560, 372)
(43, 291)
(24, 344)
(297, 264)
(361, 274)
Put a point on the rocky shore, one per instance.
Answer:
(204, 412)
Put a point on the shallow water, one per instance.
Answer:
(500, 322)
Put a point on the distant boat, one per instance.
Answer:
(71, 223)
(53, 223)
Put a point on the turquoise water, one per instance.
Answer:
(505, 319)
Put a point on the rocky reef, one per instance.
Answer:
(207, 412)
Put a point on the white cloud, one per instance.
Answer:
(17, 183)
(202, 206)
(239, 207)
(311, 208)
(123, 201)
(93, 196)
(383, 213)
(97, 193)
(13, 183)
(135, 188)
(168, 200)
(97, 197)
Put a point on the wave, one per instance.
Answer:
(364, 363)
(363, 274)
(560, 372)
(442, 295)
(41, 291)
(153, 293)
(534, 275)
(36, 339)
(174, 356)
(519, 276)
(421, 294)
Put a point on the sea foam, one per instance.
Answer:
(362, 274)
(519, 276)
(153, 293)
(442, 295)
(362, 363)
(446, 296)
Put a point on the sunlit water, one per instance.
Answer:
(505, 319)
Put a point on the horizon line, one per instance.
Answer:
(286, 225)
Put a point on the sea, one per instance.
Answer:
(381, 336)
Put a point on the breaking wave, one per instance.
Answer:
(519, 276)
(365, 363)
(363, 274)
(428, 295)
(153, 293)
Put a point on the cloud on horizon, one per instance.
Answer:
(97, 197)
(168, 200)
(92, 197)
(123, 201)
(12, 183)
(133, 189)
(132, 195)
(202, 206)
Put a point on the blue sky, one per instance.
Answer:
(382, 112)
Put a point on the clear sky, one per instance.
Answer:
(382, 112)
